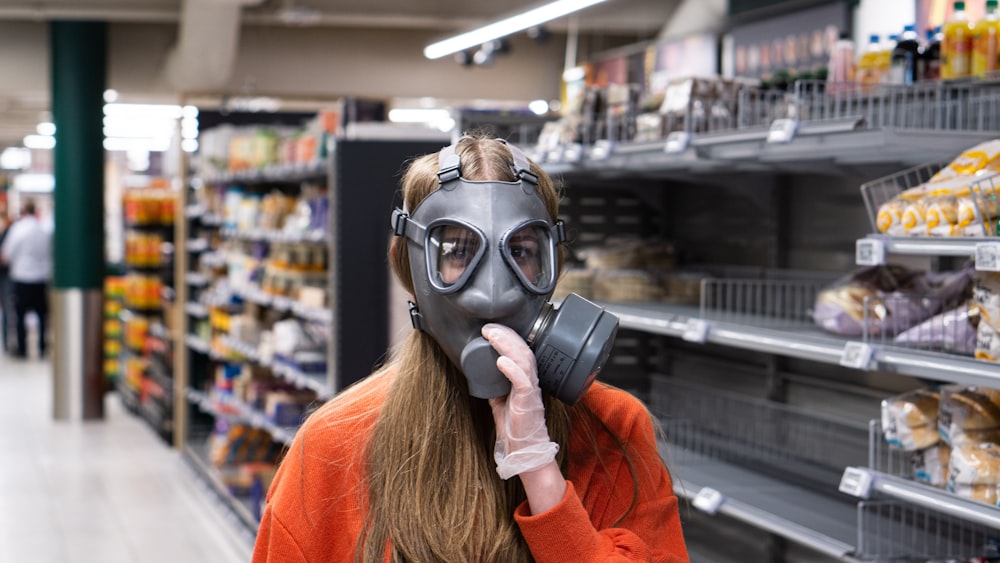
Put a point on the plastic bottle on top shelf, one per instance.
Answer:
(985, 51)
(956, 46)
(904, 57)
(885, 58)
(841, 69)
(867, 68)
(930, 56)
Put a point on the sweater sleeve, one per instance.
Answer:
(651, 532)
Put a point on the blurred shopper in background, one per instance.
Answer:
(6, 298)
(27, 252)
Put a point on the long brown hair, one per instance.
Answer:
(433, 490)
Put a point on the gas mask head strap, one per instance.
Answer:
(450, 164)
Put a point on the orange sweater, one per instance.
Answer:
(313, 506)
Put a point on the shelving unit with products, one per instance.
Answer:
(285, 300)
(763, 409)
(147, 317)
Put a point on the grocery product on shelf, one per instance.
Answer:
(930, 56)
(842, 61)
(910, 420)
(953, 202)
(985, 43)
(869, 68)
(969, 415)
(884, 301)
(931, 465)
(906, 53)
(956, 45)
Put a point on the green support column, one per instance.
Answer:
(79, 62)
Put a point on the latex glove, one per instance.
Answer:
(523, 442)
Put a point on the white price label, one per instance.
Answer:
(573, 152)
(856, 482)
(708, 500)
(601, 150)
(857, 355)
(696, 330)
(988, 257)
(782, 131)
(869, 252)
(554, 155)
(677, 141)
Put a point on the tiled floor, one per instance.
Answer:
(106, 491)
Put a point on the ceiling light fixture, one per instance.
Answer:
(507, 26)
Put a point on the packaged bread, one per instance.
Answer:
(913, 408)
(942, 216)
(909, 421)
(931, 465)
(981, 493)
(987, 342)
(972, 161)
(986, 296)
(975, 464)
(953, 331)
(889, 218)
(915, 216)
(968, 414)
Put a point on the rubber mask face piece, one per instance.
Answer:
(480, 252)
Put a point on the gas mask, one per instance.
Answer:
(486, 251)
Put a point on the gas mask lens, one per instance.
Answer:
(453, 250)
(531, 253)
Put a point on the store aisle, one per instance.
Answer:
(98, 492)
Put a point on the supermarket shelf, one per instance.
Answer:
(923, 495)
(197, 245)
(929, 246)
(197, 344)
(205, 217)
(795, 340)
(803, 516)
(196, 279)
(242, 512)
(196, 310)
(271, 235)
(238, 410)
(800, 341)
(312, 381)
(253, 292)
(284, 173)
(817, 146)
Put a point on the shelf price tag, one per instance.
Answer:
(857, 355)
(696, 330)
(869, 252)
(677, 142)
(782, 131)
(573, 152)
(856, 482)
(988, 257)
(708, 500)
(601, 150)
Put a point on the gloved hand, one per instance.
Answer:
(523, 442)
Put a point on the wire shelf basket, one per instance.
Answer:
(885, 459)
(710, 423)
(774, 298)
(920, 322)
(937, 106)
(973, 212)
(890, 530)
(880, 191)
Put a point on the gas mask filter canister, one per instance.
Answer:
(485, 251)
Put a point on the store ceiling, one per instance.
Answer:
(641, 16)
(19, 111)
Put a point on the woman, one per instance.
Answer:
(433, 459)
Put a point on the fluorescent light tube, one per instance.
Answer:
(505, 27)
